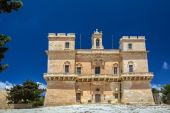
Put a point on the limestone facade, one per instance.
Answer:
(3, 99)
(97, 75)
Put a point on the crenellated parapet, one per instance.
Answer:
(61, 35)
(132, 37)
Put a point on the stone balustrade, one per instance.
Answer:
(107, 77)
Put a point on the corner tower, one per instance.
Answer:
(61, 67)
(135, 77)
(97, 40)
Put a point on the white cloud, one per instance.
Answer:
(157, 86)
(41, 85)
(6, 85)
(165, 65)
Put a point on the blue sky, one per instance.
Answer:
(30, 26)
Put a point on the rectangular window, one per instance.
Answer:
(116, 95)
(78, 70)
(129, 46)
(78, 97)
(115, 70)
(97, 70)
(67, 44)
(66, 68)
(130, 68)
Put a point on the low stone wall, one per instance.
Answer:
(3, 101)
(20, 106)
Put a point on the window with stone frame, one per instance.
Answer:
(131, 69)
(115, 70)
(97, 70)
(78, 70)
(130, 66)
(66, 69)
(67, 45)
(130, 46)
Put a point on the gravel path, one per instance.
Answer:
(94, 108)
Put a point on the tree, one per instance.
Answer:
(31, 91)
(166, 94)
(10, 5)
(15, 94)
(154, 90)
(3, 40)
(28, 92)
(6, 6)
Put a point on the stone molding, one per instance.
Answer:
(104, 77)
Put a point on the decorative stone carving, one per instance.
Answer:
(98, 62)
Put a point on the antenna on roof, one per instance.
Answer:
(80, 40)
(112, 41)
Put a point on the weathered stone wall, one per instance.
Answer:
(136, 92)
(60, 45)
(3, 101)
(137, 46)
(108, 68)
(60, 93)
(138, 43)
(106, 90)
(57, 41)
(57, 66)
(86, 68)
(139, 60)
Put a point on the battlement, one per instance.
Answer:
(132, 37)
(61, 35)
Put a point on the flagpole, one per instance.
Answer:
(112, 41)
(80, 40)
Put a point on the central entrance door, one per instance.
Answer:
(97, 98)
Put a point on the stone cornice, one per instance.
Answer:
(132, 51)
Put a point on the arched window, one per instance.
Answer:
(97, 43)
(131, 66)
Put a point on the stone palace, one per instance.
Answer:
(97, 75)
